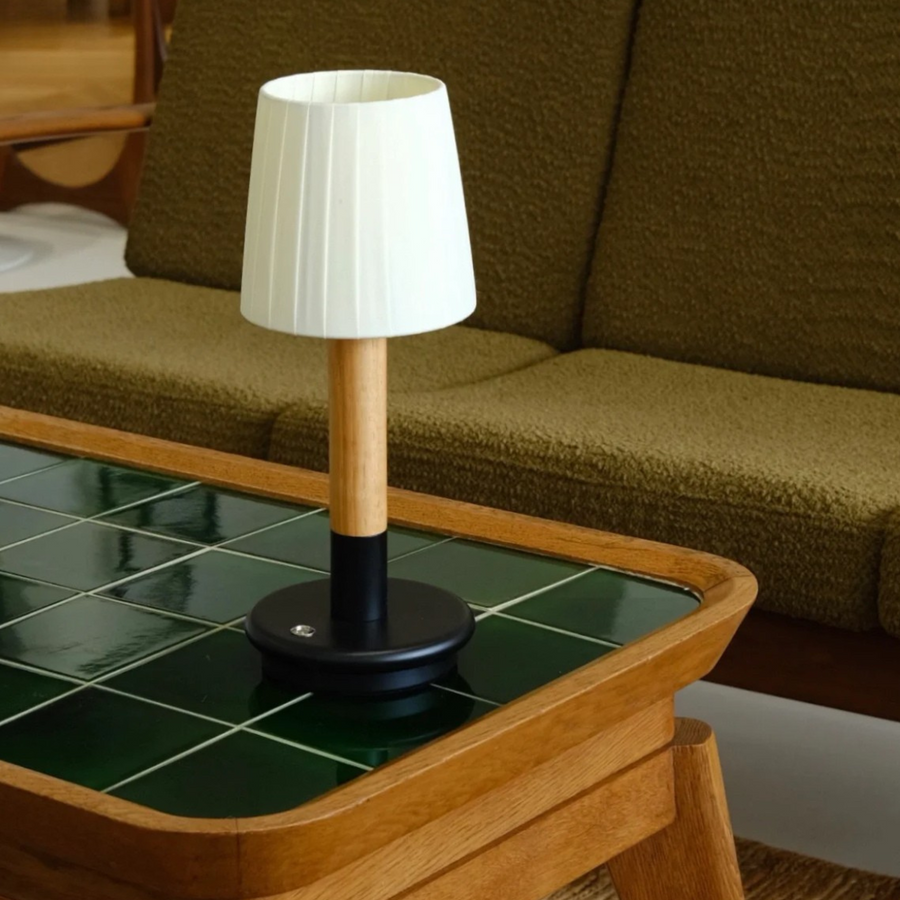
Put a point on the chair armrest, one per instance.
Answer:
(69, 123)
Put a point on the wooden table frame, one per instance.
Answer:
(589, 769)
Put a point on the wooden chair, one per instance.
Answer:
(115, 193)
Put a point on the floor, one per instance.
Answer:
(801, 777)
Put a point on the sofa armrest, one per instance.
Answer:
(889, 577)
(70, 123)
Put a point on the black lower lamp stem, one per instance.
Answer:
(359, 633)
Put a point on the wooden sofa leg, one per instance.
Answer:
(694, 858)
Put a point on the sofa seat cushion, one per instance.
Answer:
(795, 480)
(180, 362)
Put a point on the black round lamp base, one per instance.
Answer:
(303, 647)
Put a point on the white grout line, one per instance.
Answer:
(75, 690)
(233, 729)
(544, 627)
(156, 610)
(542, 590)
(35, 537)
(37, 612)
(307, 748)
(444, 540)
(450, 690)
(46, 468)
(36, 670)
(269, 559)
(222, 545)
(169, 761)
(115, 526)
(101, 679)
(189, 712)
(50, 512)
(180, 489)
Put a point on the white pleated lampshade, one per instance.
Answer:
(356, 222)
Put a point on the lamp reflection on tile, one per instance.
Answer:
(205, 515)
(372, 732)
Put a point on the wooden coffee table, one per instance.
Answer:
(142, 757)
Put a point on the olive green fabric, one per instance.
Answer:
(534, 87)
(180, 362)
(794, 480)
(889, 593)
(752, 217)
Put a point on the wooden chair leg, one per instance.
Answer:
(694, 858)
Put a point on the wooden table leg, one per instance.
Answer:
(694, 858)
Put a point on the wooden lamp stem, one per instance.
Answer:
(357, 374)
(359, 633)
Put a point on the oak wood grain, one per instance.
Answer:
(566, 842)
(53, 124)
(369, 815)
(357, 446)
(422, 853)
(694, 858)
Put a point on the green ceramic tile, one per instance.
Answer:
(219, 677)
(242, 775)
(506, 659)
(20, 690)
(88, 637)
(307, 542)
(88, 555)
(215, 586)
(85, 488)
(205, 515)
(16, 461)
(373, 732)
(19, 597)
(608, 605)
(96, 739)
(482, 574)
(17, 523)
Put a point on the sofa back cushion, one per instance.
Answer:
(534, 87)
(752, 219)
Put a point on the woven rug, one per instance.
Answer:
(770, 875)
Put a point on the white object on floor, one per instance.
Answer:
(14, 252)
(805, 778)
(68, 245)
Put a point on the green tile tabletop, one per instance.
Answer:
(96, 738)
(373, 732)
(19, 597)
(18, 523)
(88, 555)
(306, 542)
(82, 487)
(16, 461)
(608, 605)
(205, 515)
(506, 659)
(21, 690)
(219, 676)
(483, 575)
(241, 775)
(217, 586)
(88, 637)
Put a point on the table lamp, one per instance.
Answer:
(357, 232)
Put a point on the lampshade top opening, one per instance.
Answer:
(347, 87)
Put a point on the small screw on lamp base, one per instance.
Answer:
(412, 646)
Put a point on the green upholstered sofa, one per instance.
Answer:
(685, 217)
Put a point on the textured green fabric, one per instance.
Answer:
(534, 89)
(180, 362)
(753, 212)
(792, 479)
(889, 589)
